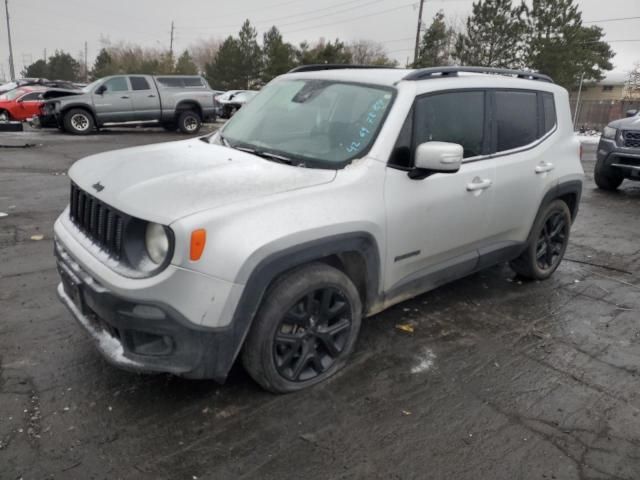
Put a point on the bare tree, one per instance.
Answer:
(204, 52)
(367, 52)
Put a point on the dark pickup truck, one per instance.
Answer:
(175, 102)
(619, 152)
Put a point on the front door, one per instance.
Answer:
(435, 225)
(114, 103)
(30, 105)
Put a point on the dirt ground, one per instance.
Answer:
(499, 380)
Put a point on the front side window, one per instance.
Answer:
(516, 119)
(32, 97)
(322, 123)
(139, 83)
(455, 117)
(117, 84)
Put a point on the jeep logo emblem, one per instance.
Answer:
(98, 186)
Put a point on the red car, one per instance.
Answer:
(21, 103)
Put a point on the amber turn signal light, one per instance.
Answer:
(198, 240)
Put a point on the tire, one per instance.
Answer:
(189, 122)
(547, 243)
(78, 121)
(4, 116)
(606, 178)
(287, 348)
(170, 126)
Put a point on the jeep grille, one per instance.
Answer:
(631, 139)
(101, 223)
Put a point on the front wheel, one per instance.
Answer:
(305, 330)
(547, 243)
(606, 178)
(4, 116)
(78, 122)
(189, 122)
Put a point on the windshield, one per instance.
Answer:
(320, 123)
(13, 94)
(90, 87)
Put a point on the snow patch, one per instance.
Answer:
(425, 362)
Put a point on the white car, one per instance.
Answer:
(232, 101)
(334, 194)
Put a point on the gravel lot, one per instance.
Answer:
(498, 380)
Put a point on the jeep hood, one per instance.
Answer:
(632, 123)
(168, 181)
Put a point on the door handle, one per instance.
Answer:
(151, 96)
(124, 96)
(479, 184)
(544, 167)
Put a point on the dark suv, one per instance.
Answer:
(619, 152)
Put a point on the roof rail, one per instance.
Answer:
(330, 66)
(427, 73)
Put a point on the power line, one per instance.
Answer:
(612, 20)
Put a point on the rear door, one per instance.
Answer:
(114, 103)
(523, 122)
(434, 225)
(146, 102)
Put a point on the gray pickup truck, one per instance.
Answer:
(175, 102)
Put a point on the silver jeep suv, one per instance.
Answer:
(334, 194)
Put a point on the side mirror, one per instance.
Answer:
(101, 89)
(436, 157)
(632, 113)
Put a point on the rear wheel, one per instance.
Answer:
(189, 122)
(606, 178)
(547, 243)
(305, 329)
(78, 122)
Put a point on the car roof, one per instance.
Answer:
(392, 76)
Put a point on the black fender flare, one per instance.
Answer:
(272, 266)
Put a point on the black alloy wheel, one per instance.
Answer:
(312, 334)
(552, 241)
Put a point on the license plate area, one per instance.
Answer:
(71, 288)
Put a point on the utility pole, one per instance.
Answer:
(575, 113)
(45, 55)
(415, 53)
(12, 71)
(86, 69)
(171, 42)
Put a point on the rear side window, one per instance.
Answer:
(170, 81)
(456, 117)
(181, 82)
(139, 83)
(192, 82)
(549, 111)
(516, 119)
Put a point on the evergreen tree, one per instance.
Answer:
(278, 56)
(38, 69)
(324, 52)
(494, 35)
(436, 44)
(224, 72)
(103, 66)
(561, 47)
(63, 66)
(250, 56)
(185, 64)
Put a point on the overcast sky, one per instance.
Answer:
(66, 24)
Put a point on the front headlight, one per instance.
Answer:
(156, 242)
(609, 132)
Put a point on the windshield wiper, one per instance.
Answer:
(264, 154)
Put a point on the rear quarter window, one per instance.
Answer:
(549, 106)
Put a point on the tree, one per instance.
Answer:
(204, 51)
(185, 64)
(103, 66)
(494, 35)
(323, 52)
(63, 66)
(561, 47)
(436, 44)
(224, 72)
(38, 69)
(278, 56)
(250, 60)
(366, 52)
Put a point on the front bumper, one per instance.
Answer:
(623, 159)
(143, 336)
